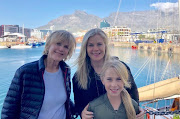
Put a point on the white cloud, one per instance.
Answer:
(165, 7)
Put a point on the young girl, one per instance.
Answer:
(116, 103)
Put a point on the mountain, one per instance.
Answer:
(144, 20)
(78, 21)
(137, 21)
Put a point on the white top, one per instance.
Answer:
(55, 96)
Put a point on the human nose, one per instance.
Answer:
(96, 47)
(61, 48)
(114, 83)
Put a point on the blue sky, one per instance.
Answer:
(35, 13)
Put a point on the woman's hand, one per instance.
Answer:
(141, 114)
(86, 114)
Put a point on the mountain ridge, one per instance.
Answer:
(137, 21)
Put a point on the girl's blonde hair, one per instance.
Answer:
(83, 59)
(122, 72)
(61, 36)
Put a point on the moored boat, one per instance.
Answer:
(1, 47)
(21, 46)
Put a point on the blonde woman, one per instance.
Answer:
(86, 82)
(41, 89)
(116, 103)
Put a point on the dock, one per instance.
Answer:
(160, 47)
(9, 44)
(157, 47)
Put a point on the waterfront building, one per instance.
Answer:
(6, 29)
(1, 31)
(36, 33)
(45, 33)
(52, 28)
(104, 23)
(118, 33)
(15, 37)
(9, 29)
(26, 32)
(79, 35)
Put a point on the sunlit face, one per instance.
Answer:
(58, 51)
(96, 48)
(112, 82)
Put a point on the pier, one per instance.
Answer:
(159, 47)
(168, 48)
(123, 44)
(9, 44)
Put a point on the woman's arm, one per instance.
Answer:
(86, 113)
(11, 106)
(141, 114)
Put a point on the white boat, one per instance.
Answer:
(21, 46)
(159, 92)
(162, 90)
(1, 47)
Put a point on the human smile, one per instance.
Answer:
(96, 54)
(114, 90)
(59, 53)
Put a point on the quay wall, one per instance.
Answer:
(123, 44)
(168, 48)
(159, 47)
(9, 44)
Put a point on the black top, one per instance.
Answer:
(95, 89)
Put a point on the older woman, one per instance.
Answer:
(41, 89)
(86, 82)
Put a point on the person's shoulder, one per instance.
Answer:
(29, 65)
(64, 65)
(98, 101)
(134, 102)
(117, 58)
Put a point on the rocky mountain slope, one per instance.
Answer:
(137, 21)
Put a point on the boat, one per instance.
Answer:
(20, 46)
(160, 91)
(1, 47)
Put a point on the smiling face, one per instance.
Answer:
(96, 48)
(58, 51)
(113, 83)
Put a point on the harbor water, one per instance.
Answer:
(11, 59)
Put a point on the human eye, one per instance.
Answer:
(99, 44)
(59, 44)
(66, 46)
(109, 79)
(90, 45)
(118, 79)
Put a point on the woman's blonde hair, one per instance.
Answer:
(122, 72)
(61, 36)
(83, 59)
